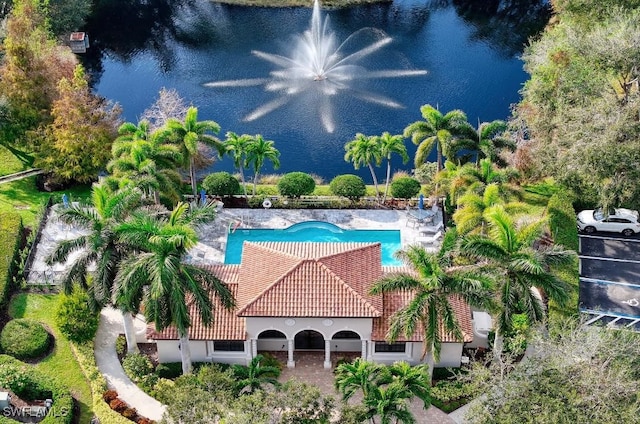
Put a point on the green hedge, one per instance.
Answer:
(562, 221)
(85, 355)
(10, 237)
(25, 339)
(29, 384)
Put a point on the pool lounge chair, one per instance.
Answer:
(429, 240)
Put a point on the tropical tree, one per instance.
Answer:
(237, 146)
(415, 379)
(491, 142)
(98, 246)
(470, 214)
(433, 283)
(359, 375)
(390, 144)
(439, 131)
(390, 404)
(252, 377)
(141, 159)
(189, 134)
(364, 150)
(516, 267)
(258, 151)
(156, 275)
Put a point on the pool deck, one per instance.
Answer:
(213, 237)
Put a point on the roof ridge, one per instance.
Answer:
(266, 245)
(349, 288)
(270, 286)
(358, 245)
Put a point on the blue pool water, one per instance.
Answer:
(314, 231)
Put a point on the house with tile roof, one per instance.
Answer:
(299, 296)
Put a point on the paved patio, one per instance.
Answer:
(309, 369)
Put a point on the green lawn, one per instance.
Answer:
(61, 363)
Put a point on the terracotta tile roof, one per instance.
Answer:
(226, 324)
(309, 279)
(397, 300)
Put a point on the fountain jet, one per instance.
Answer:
(319, 66)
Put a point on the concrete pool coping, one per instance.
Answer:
(213, 236)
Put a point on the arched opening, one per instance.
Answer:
(347, 344)
(274, 342)
(271, 334)
(309, 340)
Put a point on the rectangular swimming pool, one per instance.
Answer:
(314, 231)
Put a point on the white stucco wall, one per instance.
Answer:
(168, 351)
(327, 327)
(449, 355)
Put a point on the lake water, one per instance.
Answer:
(470, 50)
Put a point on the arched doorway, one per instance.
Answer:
(347, 344)
(309, 340)
(273, 342)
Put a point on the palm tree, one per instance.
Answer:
(258, 151)
(491, 141)
(517, 267)
(253, 377)
(390, 144)
(157, 275)
(415, 378)
(432, 284)
(139, 158)
(364, 150)
(439, 131)
(470, 215)
(359, 375)
(99, 246)
(237, 146)
(188, 135)
(389, 403)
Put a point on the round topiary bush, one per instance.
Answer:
(25, 339)
(350, 186)
(75, 318)
(221, 184)
(405, 187)
(137, 366)
(296, 184)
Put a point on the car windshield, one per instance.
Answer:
(598, 215)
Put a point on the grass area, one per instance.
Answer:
(22, 196)
(61, 363)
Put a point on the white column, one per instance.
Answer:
(364, 350)
(327, 354)
(290, 362)
(254, 348)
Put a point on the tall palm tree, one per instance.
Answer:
(434, 281)
(491, 141)
(189, 134)
(99, 246)
(252, 377)
(364, 150)
(359, 375)
(517, 267)
(390, 403)
(390, 144)
(258, 151)
(470, 215)
(141, 159)
(158, 277)
(237, 146)
(439, 131)
(415, 378)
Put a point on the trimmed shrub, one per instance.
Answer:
(221, 184)
(169, 370)
(350, 186)
(27, 383)
(405, 187)
(24, 339)
(296, 184)
(562, 221)
(75, 318)
(118, 405)
(137, 366)
(10, 237)
(109, 395)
